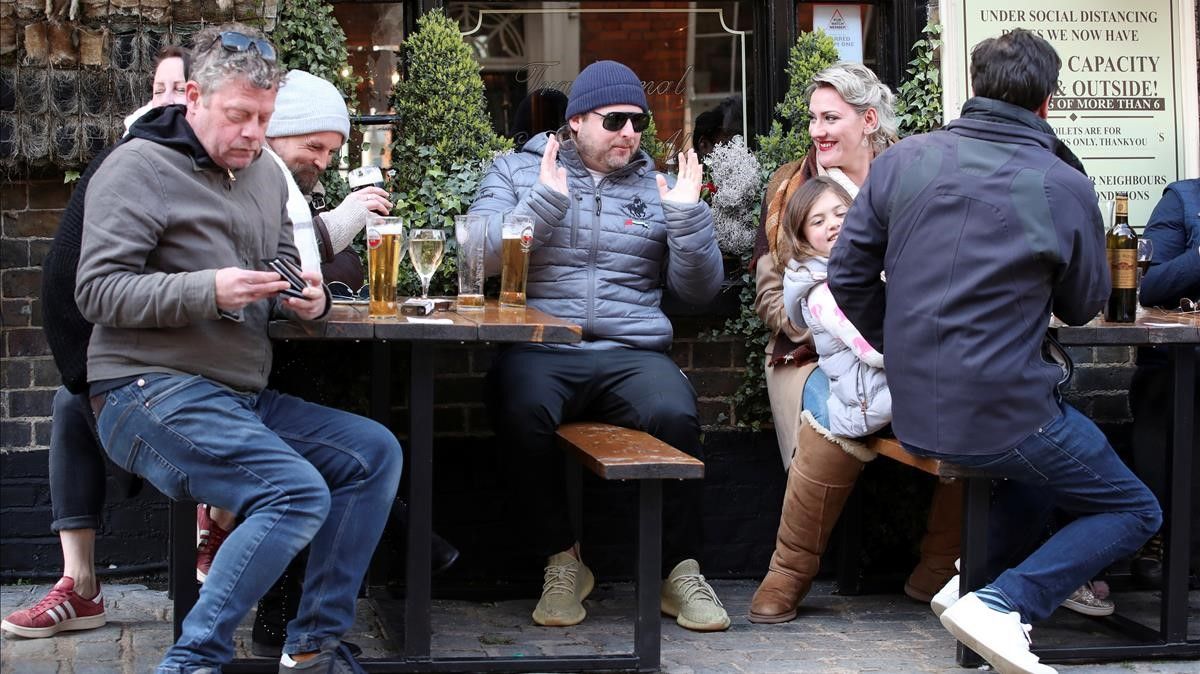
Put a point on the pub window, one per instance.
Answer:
(691, 56)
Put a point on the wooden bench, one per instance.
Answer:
(615, 453)
(973, 542)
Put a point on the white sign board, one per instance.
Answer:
(843, 23)
(1126, 96)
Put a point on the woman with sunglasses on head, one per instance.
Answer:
(1174, 276)
(851, 121)
(77, 464)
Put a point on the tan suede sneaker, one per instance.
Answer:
(568, 582)
(691, 600)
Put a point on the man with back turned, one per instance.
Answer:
(609, 233)
(984, 229)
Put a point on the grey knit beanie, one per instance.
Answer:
(308, 104)
(605, 83)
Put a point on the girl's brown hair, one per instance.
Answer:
(792, 244)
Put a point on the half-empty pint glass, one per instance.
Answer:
(517, 239)
(385, 250)
(471, 233)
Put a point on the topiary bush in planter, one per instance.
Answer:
(443, 137)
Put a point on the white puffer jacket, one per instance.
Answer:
(859, 400)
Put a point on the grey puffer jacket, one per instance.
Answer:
(603, 253)
(859, 400)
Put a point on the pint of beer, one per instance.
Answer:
(517, 239)
(385, 250)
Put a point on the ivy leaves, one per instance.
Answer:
(919, 104)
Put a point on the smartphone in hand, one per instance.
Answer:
(290, 273)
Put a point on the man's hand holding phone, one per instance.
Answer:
(304, 295)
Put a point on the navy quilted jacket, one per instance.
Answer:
(602, 255)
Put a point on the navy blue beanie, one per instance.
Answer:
(605, 83)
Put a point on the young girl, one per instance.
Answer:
(859, 402)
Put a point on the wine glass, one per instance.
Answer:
(1145, 253)
(425, 248)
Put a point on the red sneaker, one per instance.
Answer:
(209, 537)
(58, 611)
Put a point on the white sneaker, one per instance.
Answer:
(945, 597)
(1000, 638)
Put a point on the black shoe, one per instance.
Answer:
(442, 554)
(277, 608)
(1146, 567)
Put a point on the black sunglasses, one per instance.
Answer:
(344, 293)
(233, 41)
(615, 121)
(1189, 305)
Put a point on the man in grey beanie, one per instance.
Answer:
(609, 235)
(309, 126)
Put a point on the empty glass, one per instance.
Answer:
(471, 233)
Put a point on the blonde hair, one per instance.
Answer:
(792, 243)
(860, 87)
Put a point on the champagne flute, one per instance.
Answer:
(425, 248)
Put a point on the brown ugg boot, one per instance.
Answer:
(939, 547)
(819, 480)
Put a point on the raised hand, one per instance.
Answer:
(552, 175)
(687, 183)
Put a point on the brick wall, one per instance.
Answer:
(653, 45)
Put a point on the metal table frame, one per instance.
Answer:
(1180, 333)
(492, 325)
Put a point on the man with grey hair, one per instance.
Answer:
(178, 225)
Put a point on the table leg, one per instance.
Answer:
(418, 594)
(647, 630)
(1175, 569)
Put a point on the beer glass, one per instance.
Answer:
(517, 239)
(425, 248)
(471, 233)
(385, 250)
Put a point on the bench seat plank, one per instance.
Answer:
(616, 453)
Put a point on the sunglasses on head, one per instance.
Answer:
(615, 121)
(233, 41)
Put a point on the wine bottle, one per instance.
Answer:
(1121, 248)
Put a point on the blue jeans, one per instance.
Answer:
(816, 396)
(1068, 464)
(294, 471)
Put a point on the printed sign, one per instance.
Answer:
(1121, 101)
(843, 23)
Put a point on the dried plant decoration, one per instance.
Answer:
(93, 46)
(37, 44)
(63, 47)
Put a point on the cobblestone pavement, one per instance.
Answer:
(832, 635)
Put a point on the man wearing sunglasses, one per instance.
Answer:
(177, 224)
(610, 234)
